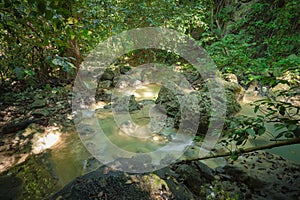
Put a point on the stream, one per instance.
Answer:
(70, 162)
(70, 158)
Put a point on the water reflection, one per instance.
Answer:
(291, 152)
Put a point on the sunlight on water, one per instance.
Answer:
(132, 143)
(149, 91)
(141, 92)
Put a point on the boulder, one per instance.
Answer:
(103, 92)
(124, 69)
(194, 175)
(194, 109)
(125, 104)
(108, 183)
(256, 175)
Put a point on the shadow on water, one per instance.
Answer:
(291, 152)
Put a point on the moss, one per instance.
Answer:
(37, 176)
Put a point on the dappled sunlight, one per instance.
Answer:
(45, 141)
(149, 91)
(98, 105)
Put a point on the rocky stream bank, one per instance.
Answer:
(30, 120)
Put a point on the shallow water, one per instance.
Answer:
(109, 123)
(107, 139)
(68, 157)
(291, 152)
(141, 92)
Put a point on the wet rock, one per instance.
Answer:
(194, 175)
(108, 74)
(108, 183)
(169, 102)
(125, 104)
(232, 78)
(34, 179)
(204, 170)
(103, 93)
(91, 164)
(231, 84)
(193, 110)
(252, 176)
(145, 102)
(104, 84)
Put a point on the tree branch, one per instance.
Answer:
(247, 150)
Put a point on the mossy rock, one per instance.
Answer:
(185, 110)
(108, 183)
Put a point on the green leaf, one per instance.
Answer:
(261, 131)
(256, 109)
(19, 72)
(234, 155)
(289, 134)
(29, 72)
(250, 131)
(48, 87)
(279, 126)
(239, 142)
(280, 135)
(292, 127)
(282, 110)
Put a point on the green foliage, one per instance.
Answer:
(262, 46)
(242, 128)
(283, 114)
(41, 39)
(260, 43)
(280, 112)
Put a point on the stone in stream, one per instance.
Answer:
(186, 109)
(125, 104)
(131, 129)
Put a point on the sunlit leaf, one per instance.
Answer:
(250, 131)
